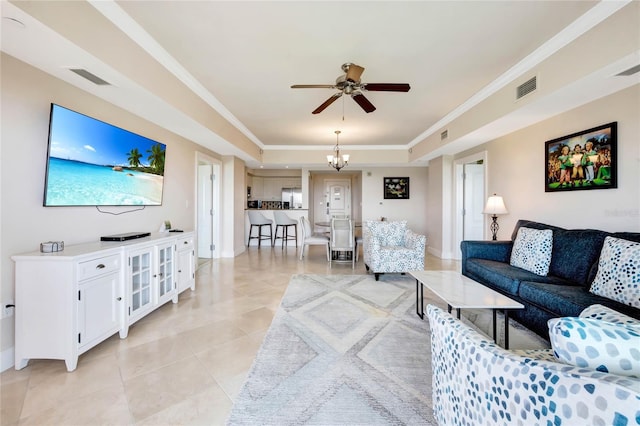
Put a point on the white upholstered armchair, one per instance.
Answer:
(392, 247)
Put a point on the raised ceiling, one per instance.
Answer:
(242, 57)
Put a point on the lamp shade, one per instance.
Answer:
(495, 205)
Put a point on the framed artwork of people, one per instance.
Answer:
(582, 160)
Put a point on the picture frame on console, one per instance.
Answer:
(396, 188)
(582, 160)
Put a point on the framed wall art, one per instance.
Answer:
(582, 160)
(396, 188)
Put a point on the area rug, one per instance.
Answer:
(342, 350)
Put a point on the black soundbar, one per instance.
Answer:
(126, 236)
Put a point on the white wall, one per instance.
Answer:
(413, 210)
(26, 97)
(516, 170)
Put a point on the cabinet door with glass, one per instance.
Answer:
(164, 273)
(140, 282)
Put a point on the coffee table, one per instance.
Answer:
(460, 292)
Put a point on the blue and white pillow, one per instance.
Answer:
(618, 276)
(599, 345)
(532, 250)
(604, 313)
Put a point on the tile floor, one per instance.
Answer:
(183, 363)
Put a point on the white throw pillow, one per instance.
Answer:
(532, 250)
(603, 313)
(618, 276)
(600, 345)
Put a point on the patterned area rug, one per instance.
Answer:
(342, 350)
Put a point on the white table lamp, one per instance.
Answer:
(495, 206)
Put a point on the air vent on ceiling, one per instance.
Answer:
(630, 71)
(527, 87)
(444, 135)
(91, 77)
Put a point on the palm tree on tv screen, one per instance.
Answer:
(156, 158)
(134, 157)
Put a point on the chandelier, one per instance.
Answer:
(336, 160)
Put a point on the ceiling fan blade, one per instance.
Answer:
(386, 87)
(313, 86)
(326, 103)
(363, 102)
(354, 72)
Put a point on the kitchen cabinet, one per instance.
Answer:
(68, 302)
(257, 188)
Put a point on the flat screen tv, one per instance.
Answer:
(93, 163)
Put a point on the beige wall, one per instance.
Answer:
(26, 97)
(414, 210)
(516, 170)
(439, 207)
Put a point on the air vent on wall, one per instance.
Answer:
(444, 135)
(629, 72)
(526, 87)
(91, 77)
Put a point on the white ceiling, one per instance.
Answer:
(242, 57)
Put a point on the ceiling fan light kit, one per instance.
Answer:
(336, 160)
(349, 84)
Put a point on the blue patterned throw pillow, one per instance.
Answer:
(532, 250)
(600, 345)
(618, 276)
(604, 313)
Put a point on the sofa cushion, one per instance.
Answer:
(532, 250)
(566, 242)
(618, 276)
(600, 345)
(502, 276)
(567, 300)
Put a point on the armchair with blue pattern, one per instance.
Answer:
(391, 247)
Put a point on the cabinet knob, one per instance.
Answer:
(185, 242)
(119, 299)
(100, 266)
(180, 270)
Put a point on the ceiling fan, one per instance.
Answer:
(349, 84)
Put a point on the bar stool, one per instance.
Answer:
(257, 219)
(284, 221)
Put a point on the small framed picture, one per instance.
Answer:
(167, 224)
(396, 188)
(582, 160)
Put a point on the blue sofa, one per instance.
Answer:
(563, 292)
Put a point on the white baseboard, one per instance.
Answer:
(436, 253)
(7, 359)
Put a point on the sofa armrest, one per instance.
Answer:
(499, 251)
(477, 382)
(415, 242)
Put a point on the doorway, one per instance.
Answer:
(337, 198)
(470, 184)
(207, 208)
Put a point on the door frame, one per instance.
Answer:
(458, 184)
(216, 166)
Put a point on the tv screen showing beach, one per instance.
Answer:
(93, 163)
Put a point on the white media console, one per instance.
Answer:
(69, 301)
